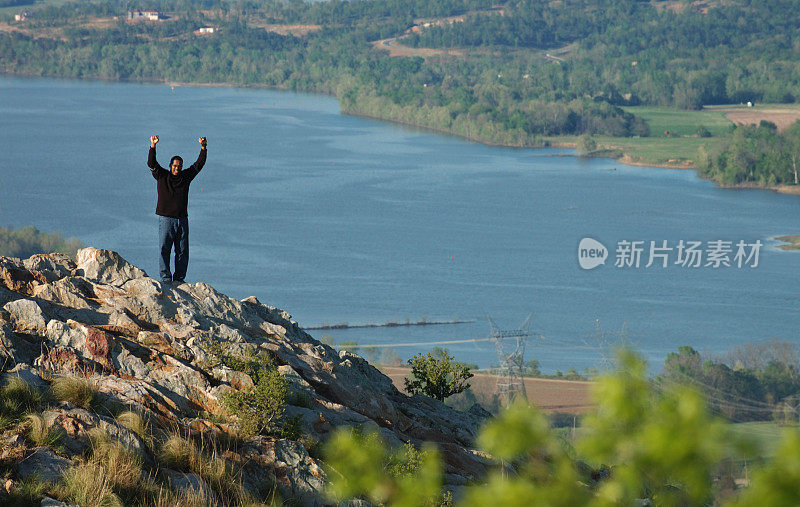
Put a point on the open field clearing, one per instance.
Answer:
(396, 49)
(549, 395)
(296, 30)
(781, 115)
(680, 122)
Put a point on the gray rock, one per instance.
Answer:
(53, 266)
(26, 316)
(298, 474)
(105, 266)
(143, 344)
(26, 373)
(190, 483)
(52, 502)
(48, 465)
(143, 286)
(14, 349)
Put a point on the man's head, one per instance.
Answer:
(175, 165)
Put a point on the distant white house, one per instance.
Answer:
(145, 15)
(22, 16)
(206, 29)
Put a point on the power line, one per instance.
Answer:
(420, 344)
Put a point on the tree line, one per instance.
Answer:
(755, 382)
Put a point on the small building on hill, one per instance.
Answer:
(145, 15)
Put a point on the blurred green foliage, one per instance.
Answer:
(643, 445)
(360, 465)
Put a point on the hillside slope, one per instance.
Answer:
(144, 345)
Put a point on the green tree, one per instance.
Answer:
(586, 145)
(437, 375)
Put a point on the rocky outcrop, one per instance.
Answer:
(143, 343)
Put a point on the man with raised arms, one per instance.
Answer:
(173, 219)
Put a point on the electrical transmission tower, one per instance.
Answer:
(510, 347)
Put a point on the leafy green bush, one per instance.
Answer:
(437, 376)
(586, 145)
(754, 382)
(261, 407)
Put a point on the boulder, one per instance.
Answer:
(192, 484)
(105, 266)
(26, 316)
(48, 465)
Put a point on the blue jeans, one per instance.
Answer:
(173, 231)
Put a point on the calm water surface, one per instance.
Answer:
(342, 219)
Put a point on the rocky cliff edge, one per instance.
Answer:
(140, 343)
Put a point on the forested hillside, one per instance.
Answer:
(506, 73)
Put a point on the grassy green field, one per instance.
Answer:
(766, 435)
(680, 122)
(659, 149)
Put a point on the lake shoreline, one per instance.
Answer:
(625, 159)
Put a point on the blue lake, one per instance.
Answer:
(343, 219)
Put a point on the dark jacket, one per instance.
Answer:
(173, 191)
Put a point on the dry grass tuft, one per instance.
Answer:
(89, 485)
(16, 398)
(38, 432)
(112, 476)
(182, 454)
(76, 390)
(135, 422)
